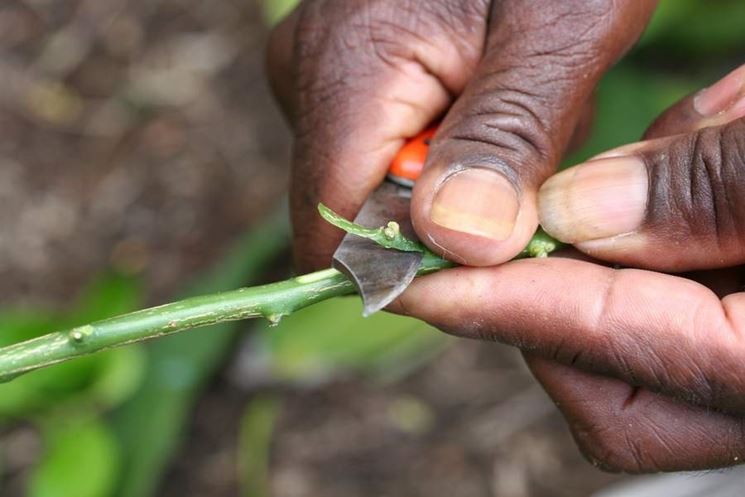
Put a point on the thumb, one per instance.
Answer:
(476, 199)
(357, 78)
(674, 203)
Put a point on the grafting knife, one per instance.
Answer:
(379, 274)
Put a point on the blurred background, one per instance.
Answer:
(141, 160)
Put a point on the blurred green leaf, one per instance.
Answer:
(81, 459)
(628, 101)
(333, 335)
(667, 17)
(109, 295)
(19, 325)
(692, 28)
(121, 374)
(25, 393)
(151, 423)
(103, 379)
(257, 427)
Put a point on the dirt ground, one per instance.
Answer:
(472, 423)
(134, 133)
(107, 158)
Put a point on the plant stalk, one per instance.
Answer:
(272, 301)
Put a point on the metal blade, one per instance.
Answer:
(380, 274)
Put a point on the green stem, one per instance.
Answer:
(272, 301)
(541, 245)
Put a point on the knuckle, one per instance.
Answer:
(460, 20)
(560, 51)
(347, 47)
(533, 77)
(697, 184)
(381, 31)
(508, 118)
(512, 122)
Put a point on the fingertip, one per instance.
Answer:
(719, 104)
(475, 216)
(600, 199)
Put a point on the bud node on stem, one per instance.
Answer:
(79, 334)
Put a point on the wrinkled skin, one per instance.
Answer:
(648, 368)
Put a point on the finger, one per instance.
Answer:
(363, 76)
(623, 428)
(674, 203)
(665, 333)
(713, 106)
(475, 201)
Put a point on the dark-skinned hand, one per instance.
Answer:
(645, 366)
(648, 368)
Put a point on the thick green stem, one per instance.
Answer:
(272, 301)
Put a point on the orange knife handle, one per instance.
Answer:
(408, 164)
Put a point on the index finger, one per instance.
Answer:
(665, 333)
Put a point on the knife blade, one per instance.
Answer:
(380, 274)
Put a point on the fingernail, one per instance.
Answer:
(476, 201)
(594, 200)
(721, 96)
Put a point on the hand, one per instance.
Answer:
(648, 368)
(358, 77)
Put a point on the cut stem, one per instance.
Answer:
(272, 301)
